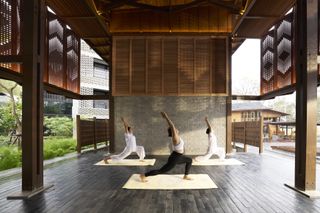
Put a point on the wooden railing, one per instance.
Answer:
(248, 133)
(91, 132)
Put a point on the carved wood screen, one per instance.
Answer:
(277, 59)
(63, 55)
(10, 28)
(169, 65)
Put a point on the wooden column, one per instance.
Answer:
(111, 106)
(229, 99)
(306, 31)
(32, 98)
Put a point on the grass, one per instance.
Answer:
(10, 156)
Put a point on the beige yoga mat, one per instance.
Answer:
(218, 162)
(170, 182)
(128, 162)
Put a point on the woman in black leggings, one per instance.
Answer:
(176, 156)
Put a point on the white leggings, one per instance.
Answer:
(219, 151)
(127, 151)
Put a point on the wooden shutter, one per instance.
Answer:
(154, 66)
(122, 54)
(170, 66)
(202, 66)
(138, 64)
(219, 76)
(186, 65)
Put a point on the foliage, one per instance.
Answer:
(10, 156)
(7, 119)
(55, 147)
(59, 126)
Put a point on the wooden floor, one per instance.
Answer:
(81, 187)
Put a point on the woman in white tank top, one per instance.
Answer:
(176, 157)
(131, 146)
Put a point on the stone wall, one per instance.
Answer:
(187, 113)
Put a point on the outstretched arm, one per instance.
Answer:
(175, 135)
(208, 124)
(125, 124)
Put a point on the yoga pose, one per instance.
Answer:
(213, 146)
(176, 156)
(131, 146)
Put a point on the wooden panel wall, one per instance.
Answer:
(62, 55)
(277, 58)
(213, 19)
(10, 27)
(169, 65)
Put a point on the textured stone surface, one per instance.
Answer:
(187, 113)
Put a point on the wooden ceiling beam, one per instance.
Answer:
(78, 17)
(239, 22)
(230, 7)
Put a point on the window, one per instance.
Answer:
(100, 70)
(101, 104)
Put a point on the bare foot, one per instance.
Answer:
(106, 160)
(186, 177)
(143, 178)
(142, 160)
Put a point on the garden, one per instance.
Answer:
(58, 139)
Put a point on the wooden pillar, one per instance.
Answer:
(95, 133)
(261, 136)
(78, 124)
(111, 107)
(306, 31)
(32, 94)
(229, 99)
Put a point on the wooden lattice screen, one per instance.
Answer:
(248, 133)
(154, 65)
(91, 132)
(63, 55)
(10, 28)
(277, 67)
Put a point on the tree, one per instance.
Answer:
(13, 91)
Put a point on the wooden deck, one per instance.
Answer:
(81, 187)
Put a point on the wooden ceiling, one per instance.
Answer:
(96, 21)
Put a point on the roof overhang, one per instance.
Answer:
(259, 17)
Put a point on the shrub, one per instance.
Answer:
(10, 157)
(59, 126)
(54, 147)
(7, 120)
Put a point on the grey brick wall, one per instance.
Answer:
(188, 114)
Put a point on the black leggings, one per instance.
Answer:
(174, 158)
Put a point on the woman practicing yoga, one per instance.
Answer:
(131, 146)
(176, 156)
(213, 146)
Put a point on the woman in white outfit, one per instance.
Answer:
(131, 146)
(213, 146)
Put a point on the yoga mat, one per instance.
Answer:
(218, 162)
(170, 182)
(128, 162)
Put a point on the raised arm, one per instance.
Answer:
(175, 135)
(125, 124)
(208, 124)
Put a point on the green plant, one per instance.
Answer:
(59, 126)
(10, 157)
(7, 119)
(55, 147)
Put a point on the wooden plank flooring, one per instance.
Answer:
(79, 186)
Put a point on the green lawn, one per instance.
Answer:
(10, 156)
